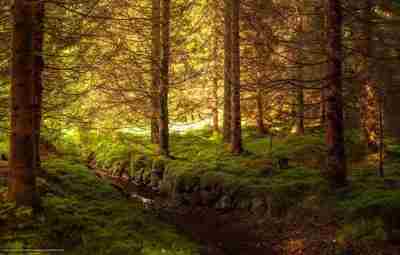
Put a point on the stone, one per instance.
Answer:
(224, 203)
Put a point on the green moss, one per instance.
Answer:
(84, 215)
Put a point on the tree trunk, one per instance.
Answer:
(155, 58)
(392, 102)
(300, 90)
(215, 88)
(38, 66)
(300, 111)
(368, 99)
(260, 113)
(323, 106)
(22, 188)
(227, 71)
(336, 171)
(236, 114)
(164, 86)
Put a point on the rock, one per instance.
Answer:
(224, 203)
(257, 205)
(283, 163)
(244, 203)
(392, 184)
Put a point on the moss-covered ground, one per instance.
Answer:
(85, 215)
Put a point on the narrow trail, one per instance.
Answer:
(219, 232)
(236, 232)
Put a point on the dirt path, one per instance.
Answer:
(235, 232)
(239, 232)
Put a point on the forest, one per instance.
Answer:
(200, 127)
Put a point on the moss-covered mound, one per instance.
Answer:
(84, 215)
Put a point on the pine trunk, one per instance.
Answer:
(336, 171)
(236, 114)
(164, 86)
(369, 95)
(22, 188)
(227, 71)
(260, 113)
(38, 66)
(155, 58)
(215, 88)
(300, 111)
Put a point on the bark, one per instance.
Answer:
(164, 86)
(215, 88)
(236, 136)
(156, 56)
(227, 71)
(368, 99)
(323, 106)
(391, 104)
(322, 25)
(300, 90)
(260, 113)
(22, 162)
(38, 66)
(300, 111)
(381, 134)
(336, 171)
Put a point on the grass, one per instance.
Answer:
(84, 215)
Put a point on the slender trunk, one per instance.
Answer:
(381, 133)
(164, 86)
(323, 106)
(227, 71)
(215, 106)
(38, 66)
(22, 187)
(300, 90)
(322, 25)
(300, 111)
(391, 102)
(260, 113)
(236, 114)
(368, 99)
(336, 171)
(155, 58)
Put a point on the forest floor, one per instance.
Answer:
(86, 214)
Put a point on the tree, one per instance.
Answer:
(22, 186)
(369, 98)
(336, 171)
(227, 71)
(236, 139)
(38, 66)
(156, 55)
(164, 117)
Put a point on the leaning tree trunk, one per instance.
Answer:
(164, 86)
(38, 66)
(336, 171)
(227, 71)
(22, 188)
(236, 139)
(155, 58)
